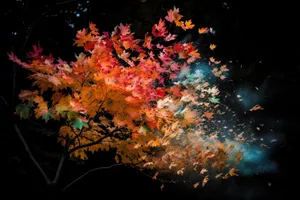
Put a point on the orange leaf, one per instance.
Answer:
(212, 46)
(155, 175)
(135, 135)
(203, 30)
(205, 180)
(188, 24)
(256, 107)
(208, 115)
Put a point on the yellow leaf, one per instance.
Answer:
(153, 143)
(232, 172)
(189, 25)
(212, 46)
(205, 180)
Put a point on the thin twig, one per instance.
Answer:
(86, 173)
(6, 103)
(30, 154)
(64, 2)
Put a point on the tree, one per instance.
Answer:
(147, 99)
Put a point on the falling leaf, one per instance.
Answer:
(196, 185)
(212, 46)
(180, 172)
(189, 25)
(155, 175)
(256, 107)
(205, 180)
(203, 30)
(203, 171)
(224, 68)
(208, 115)
(238, 156)
(162, 186)
(232, 172)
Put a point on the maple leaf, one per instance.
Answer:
(24, 110)
(159, 30)
(37, 50)
(214, 100)
(54, 80)
(188, 25)
(212, 46)
(93, 29)
(170, 37)
(208, 115)
(170, 16)
(79, 124)
(47, 116)
(203, 30)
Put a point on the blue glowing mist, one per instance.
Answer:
(255, 160)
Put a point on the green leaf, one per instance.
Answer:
(71, 115)
(78, 124)
(24, 110)
(214, 100)
(48, 115)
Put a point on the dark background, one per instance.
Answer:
(259, 37)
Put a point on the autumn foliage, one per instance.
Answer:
(137, 96)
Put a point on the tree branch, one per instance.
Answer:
(87, 145)
(30, 155)
(96, 142)
(59, 168)
(95, 169)
(92, 170)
